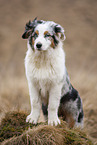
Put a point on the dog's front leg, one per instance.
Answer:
(54, 100)
(35, 104)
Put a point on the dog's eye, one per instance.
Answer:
(35, 35)
(47, 35)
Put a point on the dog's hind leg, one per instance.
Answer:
(71, 109)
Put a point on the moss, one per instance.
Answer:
(15, 129)
(13, 124)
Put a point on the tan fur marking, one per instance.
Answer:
(66, 117)
(32, 41)
(37, 32)
(70, 119)
(52, 43)
(46, 32)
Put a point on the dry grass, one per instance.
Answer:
(13, 95)
(15, 129)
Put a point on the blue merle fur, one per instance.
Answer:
(30, 27)
(70, 103)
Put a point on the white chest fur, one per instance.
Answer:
(45, 68)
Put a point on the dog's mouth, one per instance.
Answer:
(39, 49)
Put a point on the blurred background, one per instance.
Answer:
(79, 19)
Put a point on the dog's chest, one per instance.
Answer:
(44, 68)
(44, 87)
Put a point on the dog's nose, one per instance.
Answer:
(39, 45)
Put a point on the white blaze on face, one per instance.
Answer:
(43, 37)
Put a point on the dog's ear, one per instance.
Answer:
(29, 28)
(58, 29)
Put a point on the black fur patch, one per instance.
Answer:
(80, 117)
(44, 109)
(32, 25)
(72, 95)
(79, 103)
(30, 42)
(57, 29)
(29, 28)
(39, 22)
(55, 40)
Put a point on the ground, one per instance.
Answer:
(80, 23)
(14, 130)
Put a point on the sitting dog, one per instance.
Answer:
(48, 80)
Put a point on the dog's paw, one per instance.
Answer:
(53, 121)
(32, 119)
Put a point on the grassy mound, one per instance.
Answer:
(15, 130)
(14, 124)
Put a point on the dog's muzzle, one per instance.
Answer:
(39, 46)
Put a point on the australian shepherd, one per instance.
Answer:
(48, 80)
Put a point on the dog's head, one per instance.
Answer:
(43, 34)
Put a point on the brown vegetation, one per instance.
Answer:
(15, 129)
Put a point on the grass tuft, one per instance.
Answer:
(14, 124)
(14, 130)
